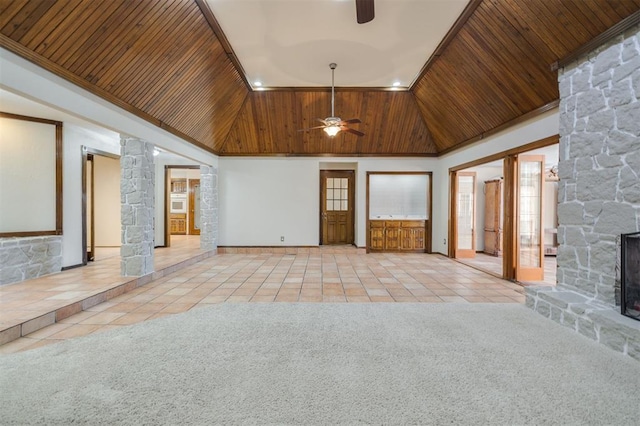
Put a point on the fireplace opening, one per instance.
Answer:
(630, 275)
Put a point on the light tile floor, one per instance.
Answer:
(343, 276)
(493, 265)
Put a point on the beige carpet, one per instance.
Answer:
(326, 364)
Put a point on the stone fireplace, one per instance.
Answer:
(599, 192)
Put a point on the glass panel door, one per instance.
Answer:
(465, 215)
(529, 226)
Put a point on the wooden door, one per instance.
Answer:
(529, 251)
(465, 235)
(337, 196)
(492, 217)
(194, 207)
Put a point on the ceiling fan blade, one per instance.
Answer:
(311, 128)
(322, 121)
(364, 11)
(355, 132)
(352, 121)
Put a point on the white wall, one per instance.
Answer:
(262, 199)
(107, 201)
(74, 138)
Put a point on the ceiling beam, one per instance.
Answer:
(217, 30)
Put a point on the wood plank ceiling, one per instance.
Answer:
(162, 60)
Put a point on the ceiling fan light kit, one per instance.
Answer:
(333, 125)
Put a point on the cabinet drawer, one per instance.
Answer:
(376, 223)
(392, 223)
(413, 224)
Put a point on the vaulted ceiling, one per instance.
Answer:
(168, 62)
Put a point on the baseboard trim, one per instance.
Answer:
(289, 249)
(66, 268)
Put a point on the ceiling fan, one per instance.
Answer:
(364, 11)
(333, 125)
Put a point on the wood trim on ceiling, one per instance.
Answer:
(222, 38)
(58, 70)
(618, 29)
(522, 118)
(325, 154)
(448, 38)
(328, 88)
(541, 143)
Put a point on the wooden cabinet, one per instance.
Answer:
(178, 224)
(493, 217)
(396, 235)
(392, 235)
(376, 235)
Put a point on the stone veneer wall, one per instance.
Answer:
(29, 257)
(137, 196)
(209, 208)
(599, 191)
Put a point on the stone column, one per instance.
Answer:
(599, 195)
(209, 208)
(137, 194)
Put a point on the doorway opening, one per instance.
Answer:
(511, 214)
(182, 204)
(101, 226)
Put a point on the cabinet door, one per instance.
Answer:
(406, 238)
(418, 239)
(377, 238)
(392, 239)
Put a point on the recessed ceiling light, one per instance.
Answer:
(396, 84)
(257, 83)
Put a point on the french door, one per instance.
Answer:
(529, 236)
(465, 218)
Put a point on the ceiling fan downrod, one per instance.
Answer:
(333, 66)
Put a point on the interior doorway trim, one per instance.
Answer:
(167, 198)
(509, 200)
(87, 155)
(325, 212)
(548, 141)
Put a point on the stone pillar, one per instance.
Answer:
(209, 208)
(137, 195)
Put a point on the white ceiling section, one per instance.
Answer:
(290, 43)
